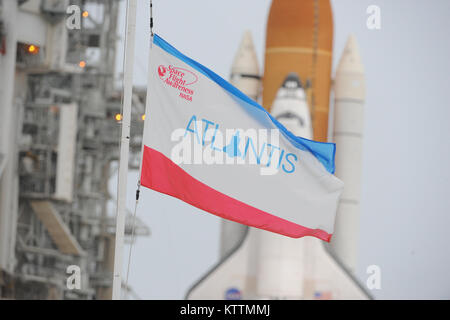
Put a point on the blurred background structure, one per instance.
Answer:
(61, 113)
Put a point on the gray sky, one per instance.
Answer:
(405, 211)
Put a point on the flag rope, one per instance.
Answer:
(138, 190)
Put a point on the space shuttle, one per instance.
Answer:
(256, 264)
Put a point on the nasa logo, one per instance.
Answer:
(325, 295)
(233, 294)
(178, 78)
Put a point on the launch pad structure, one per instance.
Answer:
(59, 141)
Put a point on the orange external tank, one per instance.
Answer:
(299, 39)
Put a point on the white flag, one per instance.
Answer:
(208, 144)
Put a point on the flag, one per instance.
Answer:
(209, 145)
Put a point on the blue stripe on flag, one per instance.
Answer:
(323, 151)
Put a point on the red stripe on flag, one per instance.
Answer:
(163, 175)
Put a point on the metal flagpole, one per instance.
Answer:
(138, 190)
(124, 146)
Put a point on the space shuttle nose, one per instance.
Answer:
(292, 81)
(245, 70)
(290, 107)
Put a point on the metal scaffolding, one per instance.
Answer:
(68, 111)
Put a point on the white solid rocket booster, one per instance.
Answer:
(244, 76)
(245, 70)
(349, 92)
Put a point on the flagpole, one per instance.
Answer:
(124, 147)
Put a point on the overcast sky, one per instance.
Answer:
(405, 205)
